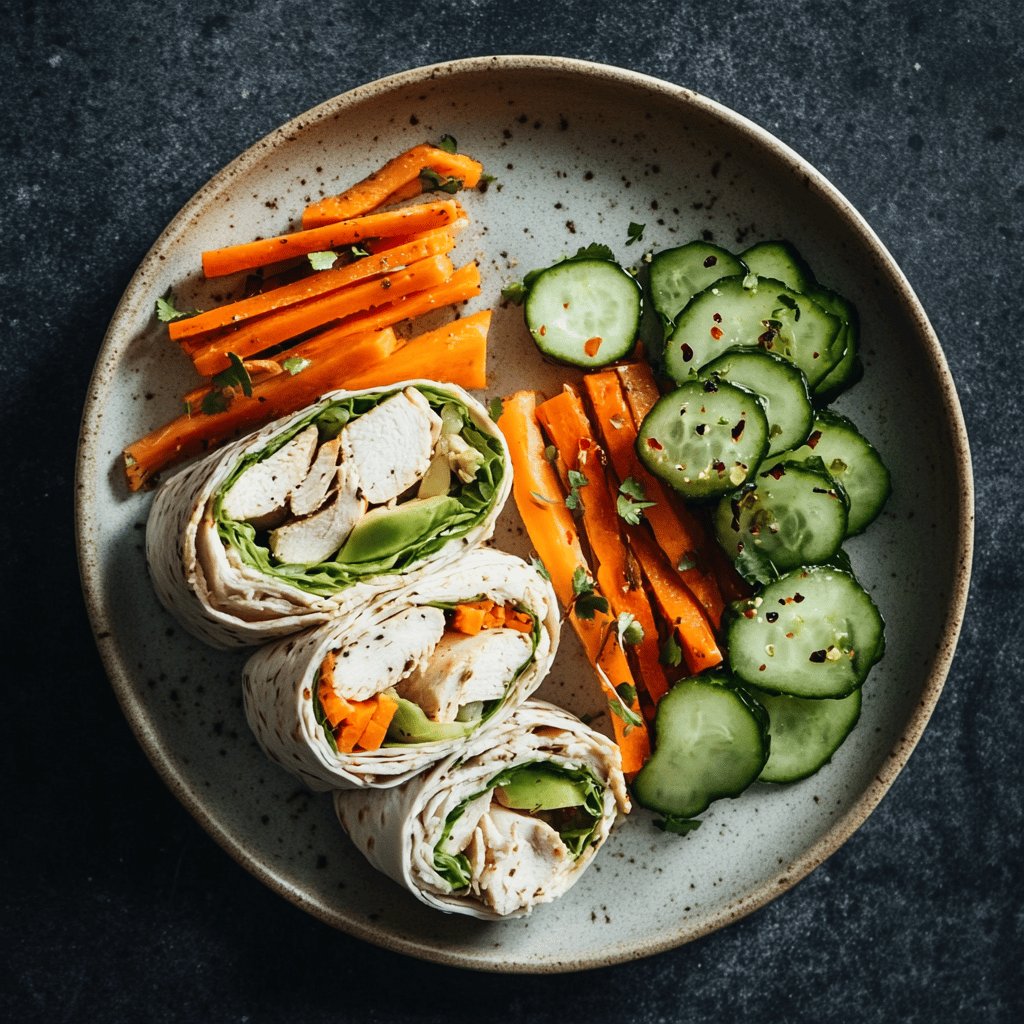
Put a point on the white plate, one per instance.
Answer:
(579, 151)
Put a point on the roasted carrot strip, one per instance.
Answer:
(677, 604)
(198, 432)
(568, 428)
(270, 330)
(518, 620)
(377, 728)
(355, 725)
(336, 708)
(462, 285)
(469, 618)
(398, 174)
(640, 387)
(408, 219)
(433, 243)
(453, 354)
(678, 532)
(552, 531)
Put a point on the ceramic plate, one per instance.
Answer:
(578, 152)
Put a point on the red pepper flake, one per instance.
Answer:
(653, 442)
(716, 333)
(591, 345)
(565, 305)
(718, 467)
(687, 353)
(761, 668)
(789, 636)
(737, 431)
(798, 598)
(542, 330)
(717, 317)
(750, 614)
(584, 444)
(818, 657)
(812, 441)
(777, 472)
(710, 261)
(814, 354)
(569, 537)
(767, 340)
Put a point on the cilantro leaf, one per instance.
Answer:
(236, 375)
(165, 309)
(358, 252)
(678, 826)
(295, 364)
(448, 144)
(495, 408)
(576, 481)
(322, 260)
(433, 182)
(755, 566)
(627, 693)
(631, 501)
(214, 402)
(581, 582)
(485, 182)
(671, 653)
(629, 630)
(635, 232)
(586, 603)
(541, 568)
(630, 717)
(594, 251)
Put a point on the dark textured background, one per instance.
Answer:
(115, 905)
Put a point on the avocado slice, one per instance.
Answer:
(537, 787)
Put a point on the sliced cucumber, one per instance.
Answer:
(585, 312)
(849, 369)
(680, 273)
(851, 460)
(813, 633)
(754, 312)
(792, 515)
(804, 733)
(704, 439)
(780, 385)
(781, 262)
(711, 742)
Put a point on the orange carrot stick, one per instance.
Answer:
(678, 532)
(377, 728)
(191, 434)
(537, 491)
(268, 331)
(677, 604)
(640, 387)
(453, 354)
(422, 217)
(355, 725)
(396, 175)
(432, 243)
(566, 424)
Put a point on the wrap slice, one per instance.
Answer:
(509, 822)
(376, 697)
(322, 511)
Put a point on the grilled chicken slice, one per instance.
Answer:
(315, 538)
(260, 495)
(383, 659)
(464, 669)
(311, 493)
(514, 858)
(391, 445)
(466, 823)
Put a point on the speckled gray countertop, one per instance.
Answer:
(115, 904)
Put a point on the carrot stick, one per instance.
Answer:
(432, 243)
(537, 491)
(377, 728)
(355, 725)
(191, 434)
(336, 708)
(462, 285)
(678, 532)
(469, 618)
(640, 387)
(677, 605)
(422, 217)
(453, 354)
(566, 424)
(271, 330)
(397, 174)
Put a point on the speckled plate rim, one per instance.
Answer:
(120, 675)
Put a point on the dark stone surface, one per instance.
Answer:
(116, 905)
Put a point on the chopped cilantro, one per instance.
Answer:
(594, 251)
(585, 602)
(629, 630)
(515, 292)
(630, 717)
(541, 568)
(631, 501)
(433, 182)
(236, 375)
(485, 182)
(448, 144)
(358, 252)
(627, 693)
(671, 652)
(322, 260)
(214, 402)
(635, 232)
(495, 408)
(576, 481)
(166, 310)
(295, 364)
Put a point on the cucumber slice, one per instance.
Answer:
(704, 439)
(852, 461)
(585, 312)
(753, 312)
(849, 369)
(804, 733)
(813, 633)
(792, 515)
(712, 742)
(780, 261)
(680, 273)
(780, 385)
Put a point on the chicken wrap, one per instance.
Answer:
(323, 510)
(508, 822)
(377, 696)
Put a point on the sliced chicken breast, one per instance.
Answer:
(391, 445)
(260, 495)
(316, 537)
(464, 669)
(380, 660)
(514, 858)
(466, 823)
(312, 491)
